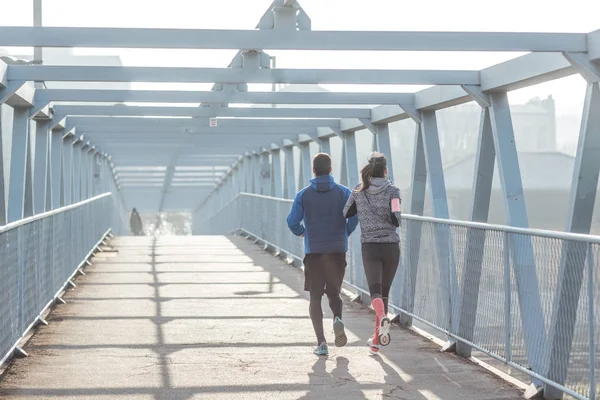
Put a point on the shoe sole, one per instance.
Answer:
(373, 350)
(384, 332)
(340, 334)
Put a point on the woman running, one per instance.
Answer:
(377, 203)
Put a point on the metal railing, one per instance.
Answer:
(39, 256)
(488, 287)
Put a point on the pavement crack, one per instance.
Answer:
(391, 394)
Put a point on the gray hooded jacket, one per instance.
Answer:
(378, 224)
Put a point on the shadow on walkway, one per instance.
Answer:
(217, 318)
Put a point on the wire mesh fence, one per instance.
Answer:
(38, 255)
(525, 297)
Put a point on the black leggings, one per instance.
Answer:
(324, 274)
(381, 263)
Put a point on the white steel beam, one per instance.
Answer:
(17, 94)
(45, 96)
(290, 39)
(527, 70)
(588, 69)
(3, 74)
(239, 75)
(351, 125)
(41, 164)
(477, 94)
(3, 187)
(125, 122)
(514, 74)
(235, 112)
(386, 114)
(594, 45)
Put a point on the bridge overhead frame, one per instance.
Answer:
(82, 150)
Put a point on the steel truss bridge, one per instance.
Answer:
(524, 297)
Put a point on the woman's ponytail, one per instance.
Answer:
(366, 174)
(375, 168)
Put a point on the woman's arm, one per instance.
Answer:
(395, 205)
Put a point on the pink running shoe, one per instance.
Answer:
(383, 323)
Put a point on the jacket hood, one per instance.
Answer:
(323, 183)
(378, 185)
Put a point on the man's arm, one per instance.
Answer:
(350, 211)
(294, 219)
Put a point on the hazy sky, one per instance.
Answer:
(434, 15)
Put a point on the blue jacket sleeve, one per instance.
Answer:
(294, 219)
(352, 222)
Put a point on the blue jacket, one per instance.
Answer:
(321, 206)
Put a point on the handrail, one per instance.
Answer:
(577, 237)
(28, 220)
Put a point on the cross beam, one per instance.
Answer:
(126, 122)
(234, 112)
(45, 96)
(240, 75)
(527, 70)
(142, 132)
(291, 40)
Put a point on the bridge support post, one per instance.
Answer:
(473, 258)
(573, 254)
(105, 174)
(20, 196)
(98, 175)
(351, 158)
(68, 170)
(247, 184)
(91, 157)
(384, 145)
(89, 171)
(239, 176)
(325, 146)
(83, 173)
(77, 152)
(55, 167)
(289, 173)
(276, 180)
(234, 177)
(265, 172)
(231, 185)
(443, 236)
(350, 178)
(532, 317)
(2, 184)
(91, 187)
(109, 181)
(41, 160)
(256, 181)
(305, 165)
(410, 261)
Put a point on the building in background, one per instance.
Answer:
(534, 124)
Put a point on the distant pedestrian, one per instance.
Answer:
(325, 232)
(377, 202)
(135, 223)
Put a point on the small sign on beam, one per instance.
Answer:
(212, 122)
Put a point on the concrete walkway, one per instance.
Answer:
(218, 318)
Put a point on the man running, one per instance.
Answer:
(325, 231)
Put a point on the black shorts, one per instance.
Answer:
(324, 273)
